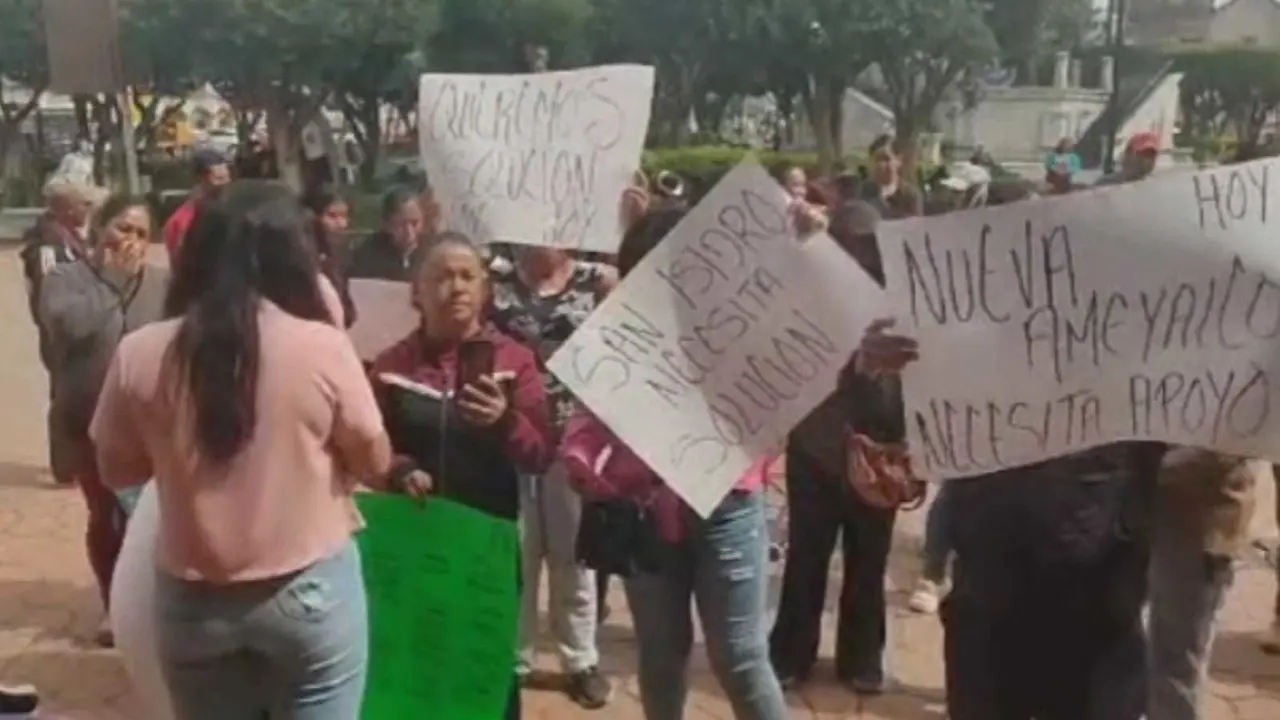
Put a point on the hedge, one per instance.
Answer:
(701, 168)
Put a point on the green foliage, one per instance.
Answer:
(1030, 30)
(702, 167)
(491, 35)
(23, 57)
(1229, 90)
(923, 49)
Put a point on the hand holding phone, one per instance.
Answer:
(475, 360)
(482, 400)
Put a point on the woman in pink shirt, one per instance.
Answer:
(252, 412)
(678, 557)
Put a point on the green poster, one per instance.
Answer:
(443, 604)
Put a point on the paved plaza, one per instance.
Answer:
(49, 610)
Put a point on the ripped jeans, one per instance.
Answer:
(722, 565)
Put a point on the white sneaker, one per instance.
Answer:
(925, 598)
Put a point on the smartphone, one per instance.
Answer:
(475, 360)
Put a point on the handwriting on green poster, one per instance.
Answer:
(441, 583)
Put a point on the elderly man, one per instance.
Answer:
(57, 237)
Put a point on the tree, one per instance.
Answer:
(158, 63)
(287, 57)
(1236, 90)
(386, 48)
(820, 48)
(925, 49)
(24, 61)
(492, 35)
(1027, 31)
(698, 50)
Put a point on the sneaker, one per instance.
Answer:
(105, 637)
(867, 686)
(1271, 643)
(925, 598)
(18, 699)
(590, 689)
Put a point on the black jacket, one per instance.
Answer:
(378, 258)
(469, 465)
(44, 247)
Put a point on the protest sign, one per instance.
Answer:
(721, 340)
(441, 585)
(1148, 311)
(538, 159)
(384, 315)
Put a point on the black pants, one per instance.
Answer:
(1036, 636)
(820, 507)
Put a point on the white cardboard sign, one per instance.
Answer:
(537, 159)
(721, 340)
(1142, 312)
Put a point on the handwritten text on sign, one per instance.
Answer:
(722, 339)
(1148, 311)
(535, 159)
(441, 586)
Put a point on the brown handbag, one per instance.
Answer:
(882, 475)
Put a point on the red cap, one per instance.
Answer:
(1143, 142)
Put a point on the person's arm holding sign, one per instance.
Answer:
(884, 353)
(879, 463)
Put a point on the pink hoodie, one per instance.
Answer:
(601, 467)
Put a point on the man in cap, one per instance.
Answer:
(212, 173)
(968, 184)
(1202, 505)
(1140, 155)
(57, 237)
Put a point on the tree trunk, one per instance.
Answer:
(785, 107)
(285, 144)
(907, 133)
(365, 119)
(818, 108)
(104, 120)
(327, 136)
(835, 100)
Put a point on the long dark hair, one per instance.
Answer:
(394, 200)
(645, 235)
(247, 246)
(317, 202)
(853, 227)
(116, 205)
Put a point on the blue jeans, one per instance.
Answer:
(291, 648)
(937, 537)
(1186, 590)
(722, 565)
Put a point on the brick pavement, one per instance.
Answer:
(48, 609)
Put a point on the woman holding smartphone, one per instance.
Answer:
(464, 404)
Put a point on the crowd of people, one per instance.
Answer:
(229, 381)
